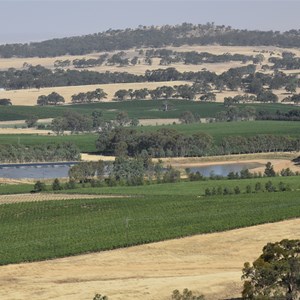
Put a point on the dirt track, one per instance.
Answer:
(210, 264)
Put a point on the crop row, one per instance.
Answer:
(43, 230)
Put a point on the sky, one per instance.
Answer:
(25, 21)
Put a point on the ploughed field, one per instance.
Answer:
(42, 230)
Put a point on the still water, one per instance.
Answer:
(224, 169)
(35, 170)
(59, 170)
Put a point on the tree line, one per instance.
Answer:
(171, 143)
(291, 115)
(245, 78)
(77, 122)
(156, 37)
(39, 153)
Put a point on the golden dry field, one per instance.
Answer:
(29, 97)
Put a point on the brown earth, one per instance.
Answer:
(209, 264)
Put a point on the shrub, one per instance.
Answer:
(39, 186)
(56, 186)
(186, 295)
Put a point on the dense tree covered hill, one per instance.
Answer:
(152, 37)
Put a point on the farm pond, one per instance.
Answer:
(36, 170)
(61, 169)
(224, 169)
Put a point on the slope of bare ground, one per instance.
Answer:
(209, 264)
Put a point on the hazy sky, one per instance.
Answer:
(24, 20)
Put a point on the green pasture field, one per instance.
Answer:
(245, 128)
(44, 230)
(86, 142)
(187, 188)
(7, 189)
(140, 109)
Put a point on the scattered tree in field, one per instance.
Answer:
(269, 170)
(187, 117)
(5, 102)
(121, 94)
(58, 125)
(89, 97)
(87, 171)
(72, 121)
(275, 274)
(270, 187)
(52, 99)
(56, 186)
(209, 97)
(39, 186)
(122, 119)
(62, 63)
(31, 121)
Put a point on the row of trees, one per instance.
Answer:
(39, 76)
(268, 187)
(56, 99)
(76, 122)
(166, 92)
(51, 99)
(193, 57)
(89, 97)
(171, 143)
(291, 115)
(157, 37)
(244, 78)
(43, 152)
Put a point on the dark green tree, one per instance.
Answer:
(56, 186)
(275, 274)
(269, 170)
(39, 186)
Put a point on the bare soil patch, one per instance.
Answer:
(154, 122)
(7, 199)
(25, 131)
(209, 264)
(94, 157)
